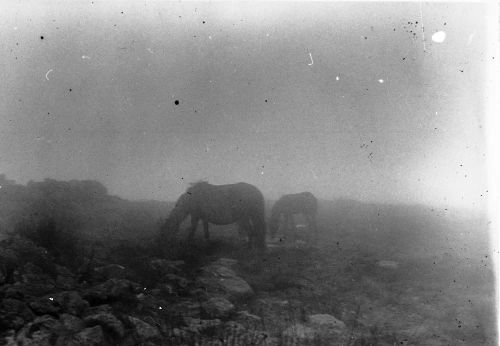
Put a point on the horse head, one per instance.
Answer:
(181, 210)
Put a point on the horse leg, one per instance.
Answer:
(205, 228)
(194, 225)
(311, 221)
(245, 228)
(258, 231)
(290, 227)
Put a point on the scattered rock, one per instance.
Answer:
(14, 314)
(12, 291)
(93, 336)
(388, 264)
(325, 321)
(110, 271)
(167, 267)
(108, 321)
(197, 325)
(248, 318)
(218, 307)
(68, 301)
(104, 308)
(65, 282)
(300, 333)
(177, 280)
(113, 289)
(44, 305)
(144, 330)
(227, 262)
(9, 338)
(39, 331)
(71, 323)
(185, 309)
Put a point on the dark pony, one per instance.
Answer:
(239, 203)
(300, 203)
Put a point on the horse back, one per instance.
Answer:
(224, 204)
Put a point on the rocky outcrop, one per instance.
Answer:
(50, 305)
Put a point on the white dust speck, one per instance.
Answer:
(47, 74)
(85, 57)
(51, 298)
(439, 37)
(150, 50)
(381, 81)
(312, 62)
(209, 37)
(337, 78)
(159, 307)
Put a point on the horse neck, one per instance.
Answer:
(179, 213)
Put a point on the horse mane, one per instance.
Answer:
(197, 184)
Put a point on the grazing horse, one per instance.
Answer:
(300, 203)
(239, 203)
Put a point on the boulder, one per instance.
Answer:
(108, 321)
(93, 336)
(113, 289)
(110, 271)
(144, 330)
(219, 278)
(71, 323)
(218, 307)
(327, 323)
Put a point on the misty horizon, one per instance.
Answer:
(345, 100)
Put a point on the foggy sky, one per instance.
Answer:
(381, 112)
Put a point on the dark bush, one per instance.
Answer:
(61, 243)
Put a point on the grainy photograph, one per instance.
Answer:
(247, 173)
